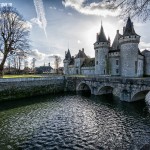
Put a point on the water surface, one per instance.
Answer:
(73, 122)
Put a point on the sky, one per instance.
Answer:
(56, 25)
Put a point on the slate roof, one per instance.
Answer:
(68, 55)
(129, 29)
(89, 62)
(115, 45)
(71, 61)
(140, 53)
(101, 36)
(81, 54)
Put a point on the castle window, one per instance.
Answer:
(117, 71)
(97, 51)
(104, 71)
(117, 62)
(135, 67)
(96, 62)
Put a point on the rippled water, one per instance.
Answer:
(73, 122)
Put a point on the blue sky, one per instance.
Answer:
(73, 24)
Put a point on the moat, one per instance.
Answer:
(70, 121)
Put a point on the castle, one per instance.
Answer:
(122, 58)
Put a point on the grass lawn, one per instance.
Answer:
(77, 75)
(22, 76)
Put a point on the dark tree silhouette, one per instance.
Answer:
(13, 34)
(134, 8)
(57, 62)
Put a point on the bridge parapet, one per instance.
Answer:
(127, 89)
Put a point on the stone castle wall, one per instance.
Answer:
(101, 56)
(27, 87)
(129, 58)
(114, 68)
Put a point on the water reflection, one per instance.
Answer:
(74, 122)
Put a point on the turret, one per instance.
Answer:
(67, 61)
(129, 50)
(79, 59)
(101, 47)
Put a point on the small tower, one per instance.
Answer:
(129, 51)
(67, 61)
(101, 47)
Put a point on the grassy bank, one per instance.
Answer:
(22, 76)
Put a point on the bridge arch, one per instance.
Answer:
(139, 95)
(105, 89)
(84, 87)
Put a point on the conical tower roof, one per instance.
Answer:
(68, 55)
(115, 45)
(129, 29)
(101, 36)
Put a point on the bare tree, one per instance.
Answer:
(13, 33)
(57, 62)
(33, 64)
(134, 8)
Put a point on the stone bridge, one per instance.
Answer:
(127, 89)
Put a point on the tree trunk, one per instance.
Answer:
(2, 66)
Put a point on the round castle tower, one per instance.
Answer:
(101, 47)
(129, 51)
(67, 61)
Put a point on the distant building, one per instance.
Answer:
(122, 58)
(44, 69)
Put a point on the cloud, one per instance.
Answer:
(5, 4)
(36, 54)
(41, 19)
(28, 25)
(94, 8)
(144, 45)
(36, 21)
(54, 8)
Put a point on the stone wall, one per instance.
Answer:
(114, 68)
(88, 70)
(146, 54)
(27, 87)
(101, 56)
(129, 59)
